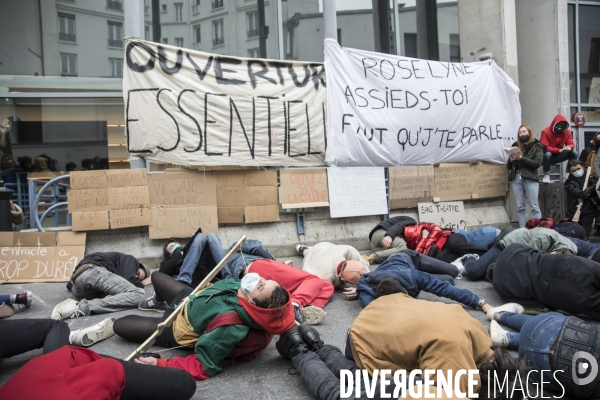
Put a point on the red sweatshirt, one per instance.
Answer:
(553, 142)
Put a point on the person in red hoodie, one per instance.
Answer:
(558, 144)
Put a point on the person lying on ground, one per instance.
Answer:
(191, 263)
(548, 342)
(7, 301)
(231, 318)
(400, 268)
(66, 371)
(479, 237)
(586, 249)
(323, 260)
(387, 238)
(104, 283)
(449, 339)
(543, 239)
(539, 280)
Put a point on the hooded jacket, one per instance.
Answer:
(323, 259)
(557, 281)
(121, 264)
(401, 268)
(394, 226)
(574, 190)
(553, 142)
(530, 162)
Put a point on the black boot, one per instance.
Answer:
(311, 337)
(290, 344)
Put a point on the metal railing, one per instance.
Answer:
(114, 5)
(115, 43)
(218, 41)
(252, 33)
(67, 37)
(54, 202)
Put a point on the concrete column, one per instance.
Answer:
(49, 28)
(330, 19)
(489, 27)
(427, 32)
(381, 26)
(134, 18)
(543, 35)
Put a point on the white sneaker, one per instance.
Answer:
(546, 179)
(67, 309)
(493, 312)
(312, 315)
(300, 248)
(93, 334)
(458, 264)
(499, 336)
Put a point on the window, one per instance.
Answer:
(66, 28)
(253, 53)
(179, 41)
(115, 34)
(68, 64)
(454, 47)
(218, 38)
(163, 8)
(146, 7)
(217, 4)
(197, 35)
(410, 45)
(195, 6)
(252, 21)
(115, 67)
(147, 33)
(178, 12)
(114, 5)
(165, 40)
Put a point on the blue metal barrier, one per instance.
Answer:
(54, 202)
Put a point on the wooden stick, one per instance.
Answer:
(169, 321)
(587, 179)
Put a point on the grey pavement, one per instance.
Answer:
(267, 377)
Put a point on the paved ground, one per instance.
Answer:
(267, 377)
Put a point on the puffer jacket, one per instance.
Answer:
(530, 162)
(575, 336)
(574, 189)
(415, 241)
(394, 226)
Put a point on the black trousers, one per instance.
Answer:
(141, 381)
(441, 269)
(457, 246)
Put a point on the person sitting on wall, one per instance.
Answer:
(542, 239)
(231, 318)
(539, 280)
(67, 371)
(448, 339)
(309, 293)
(103, 283)
(558, 145)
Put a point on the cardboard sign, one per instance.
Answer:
(594, 97)
(410, 185)
(357, 191)
(301, 188)
(181, 222)
(489, 180)
(95, 194)
(36, 256)
(452, 182)
(448, 215)
(247, 193)
(183, 188)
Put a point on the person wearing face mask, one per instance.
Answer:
(558, 144)
(230, 319)
(523, 173)
(576, 195)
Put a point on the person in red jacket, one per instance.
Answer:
(558, 144)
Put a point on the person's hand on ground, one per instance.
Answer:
(289, 262)
(350, 293)
(145, 360)
(386, 242)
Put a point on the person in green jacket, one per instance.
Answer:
(523, 173)
(255, 304)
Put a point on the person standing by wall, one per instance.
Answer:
(577, 194)
(523, 173)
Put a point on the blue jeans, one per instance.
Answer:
(526, 190)
(536, 336)
(551, 159)
(476, 269)
(5, 298)
(584, 248)
(195, 249)
(252, 250)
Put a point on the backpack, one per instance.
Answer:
(251, 346)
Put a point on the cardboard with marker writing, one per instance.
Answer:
(410, 185)
(181, 222)
(260, 196)
(452, 182)
(130, 217)
(37, 257)
(489, 180)
(303, 187)
(230, 196)
(89, 221)
(177, 187)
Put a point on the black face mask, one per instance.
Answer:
(560, 127)
(524, 139)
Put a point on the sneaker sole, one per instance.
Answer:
(57, 315)
(312, 315)
(151, 309)
(6, 310)
(107, 331)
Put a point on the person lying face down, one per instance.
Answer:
(539, 280)
(247, 313)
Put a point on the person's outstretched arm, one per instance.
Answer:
(431, 284)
